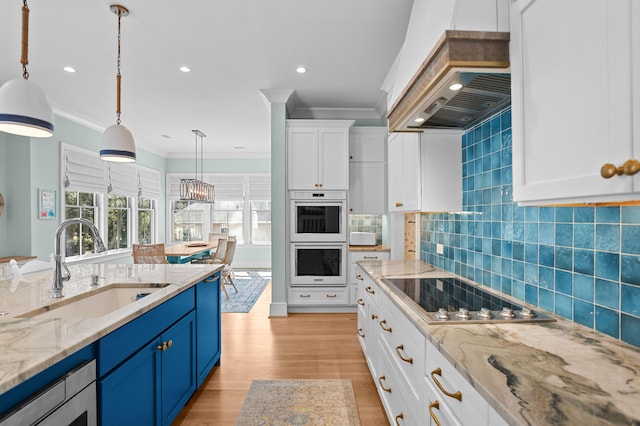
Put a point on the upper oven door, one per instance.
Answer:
(318, 221)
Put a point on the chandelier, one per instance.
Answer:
(196, 189)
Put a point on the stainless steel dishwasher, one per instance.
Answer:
(69, 401)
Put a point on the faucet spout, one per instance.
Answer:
(58, 276)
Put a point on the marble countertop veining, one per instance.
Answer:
(30, 345)
(559, 373)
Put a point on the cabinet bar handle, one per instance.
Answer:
(359, 277)
(380, 379)
(399, 417)
(211, 279)
(360, 302)
(438, 372)
(332, 295)
(399, 204)
(399, 350)
(370, 257)
(374, 316)
(370, 290)
(305, 295)
(383, 323)
(435, 404)
(629, 168)
(360, 333)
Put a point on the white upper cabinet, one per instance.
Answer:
(441, 153)
(574, 93)
(367, 174)
(318, 154)
(404, 172)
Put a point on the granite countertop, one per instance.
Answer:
(31, 345)
(531, 374)
(378, 247)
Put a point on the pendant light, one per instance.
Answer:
(117, 142)
(197, 189)
(24, 107)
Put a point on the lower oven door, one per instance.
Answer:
(318, 264)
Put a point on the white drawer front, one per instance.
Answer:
(406, 346)
(318, 296)
(472, 408)
(357, 256)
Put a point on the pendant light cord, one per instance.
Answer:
(24, 60)
(118, 76)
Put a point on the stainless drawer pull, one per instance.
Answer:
(383, 324)
(380, 379)
(435, 404)
(399, 350)
(370, 257)
(359, 277)
(370, 290)
(438, 372)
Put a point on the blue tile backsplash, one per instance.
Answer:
(583, 263)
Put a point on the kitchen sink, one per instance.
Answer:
(96, 303)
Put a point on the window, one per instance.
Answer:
(188, 221)
(118, 213)
(79, 241)
(242, 209)
(228, 218)
(146, 220)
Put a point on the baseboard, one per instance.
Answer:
(322, 309)
(278, 309)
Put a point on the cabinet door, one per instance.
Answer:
(178, 367)
(404, 172)
(334, 159)
(302, 158)
(367, 188)
(367, 144)
(571, 106)
(208, 325)
(130, 394)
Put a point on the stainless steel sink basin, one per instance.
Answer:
(96, 303)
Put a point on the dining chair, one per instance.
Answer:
(227, 271)
(149, 253)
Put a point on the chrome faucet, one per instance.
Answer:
(58, 276)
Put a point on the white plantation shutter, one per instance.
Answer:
(228, 187)
(122, 179)
(83, 172)
(148, 183)
(173, 186)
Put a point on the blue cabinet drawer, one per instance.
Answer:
(117, 346)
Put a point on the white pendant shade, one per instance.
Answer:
(25, 109)
(117, 145)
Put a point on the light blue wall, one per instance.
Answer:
(583, 263)
(31, 164)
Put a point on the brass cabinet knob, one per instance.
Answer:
(629, 168)
(399, 204)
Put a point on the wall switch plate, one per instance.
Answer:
(439, 249)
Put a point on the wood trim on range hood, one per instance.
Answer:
(455, 51)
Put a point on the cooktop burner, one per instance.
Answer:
(452, 301)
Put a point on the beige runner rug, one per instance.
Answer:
(299, 402)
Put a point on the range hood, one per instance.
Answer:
(477, 61)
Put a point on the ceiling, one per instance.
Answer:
(234, 49)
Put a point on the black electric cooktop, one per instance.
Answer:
(453, 301)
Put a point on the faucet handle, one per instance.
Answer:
(66, 276)
(94, 279)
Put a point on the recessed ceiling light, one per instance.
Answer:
(185, 69)
(418, 119)
(455, 86)
(239, 147)
(165, 136)
(301, 70)
(69, 69)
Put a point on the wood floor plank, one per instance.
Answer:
(300, 346)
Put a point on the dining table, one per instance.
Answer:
(186, 252)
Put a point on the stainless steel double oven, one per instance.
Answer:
(318, 236)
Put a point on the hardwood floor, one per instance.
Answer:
(300, 346)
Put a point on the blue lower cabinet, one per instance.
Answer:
(208, 341)
(153, 385)
(178, 367)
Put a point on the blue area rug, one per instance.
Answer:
(250, 285)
